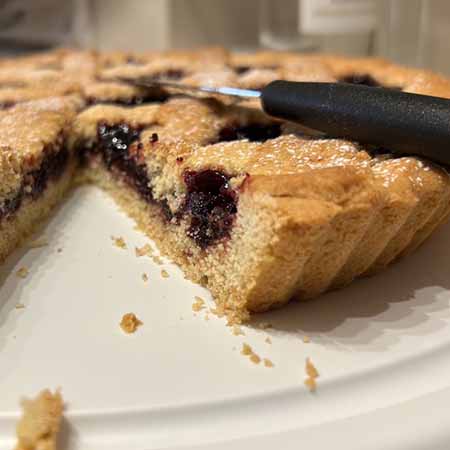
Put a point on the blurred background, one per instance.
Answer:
(413, 32)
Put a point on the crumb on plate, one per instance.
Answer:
(130, 323)
(198, 305)
(144, 277)
(312, 374)
(40, 422)
(268, 340)
(145, 250)
(119, 242)
(22, 272)
(157, 260)
(268, 362)
(164, 273)
(306, 339)
(237, 330)
(20, 306)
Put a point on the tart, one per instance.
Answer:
(258, 210)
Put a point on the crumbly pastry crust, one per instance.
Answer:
(40, 423)
(257, 210)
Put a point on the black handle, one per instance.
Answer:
(398, 121)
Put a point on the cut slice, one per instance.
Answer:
(36, 164)
(251, 208)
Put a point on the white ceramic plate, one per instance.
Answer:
(382, 347)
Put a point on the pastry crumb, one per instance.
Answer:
(237, 330)
(312, 374)
(311, 384)
(119, 242)
(164, 273)
(40, 422)
(37, 243)
(130, 323)
(59, 250)
(306, 339)
(198, 305)
(22, 272)
(268, 362)
(206, 317)
(268, 340)
(20, 306)
(246, 349)
(145, 277)
(145, 250)
(310, 369)
(157, 260)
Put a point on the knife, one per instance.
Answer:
(406, 123)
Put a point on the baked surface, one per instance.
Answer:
(258, 210)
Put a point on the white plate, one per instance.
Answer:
(382, 347)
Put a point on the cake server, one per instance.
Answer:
(399, 121)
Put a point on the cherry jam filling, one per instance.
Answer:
(154, 95)
(241, 70)
(253, 132)
(114, 145)
(211, 205)
(36, 181)
(169, 74)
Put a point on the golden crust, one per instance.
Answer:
(312, 213)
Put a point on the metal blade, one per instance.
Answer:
(228, 91)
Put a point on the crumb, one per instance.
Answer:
(198, 305)
(164, 273)
(313, 374)
(59, 250)
(157, 260)
(306, 339)
(22, 272)
(264, 325)
(130, 323)
(119, 242)
(40, 242)
(268, 340)
(144, 250)
(237, 331)
(310, 369)
(40, 422)
(246, 349)
(145, 277)
(255, 359)
(206, 317)
(311, 384)
(268, 363)
(20, 306)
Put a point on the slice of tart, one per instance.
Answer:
(36, 165)
(252, 208)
